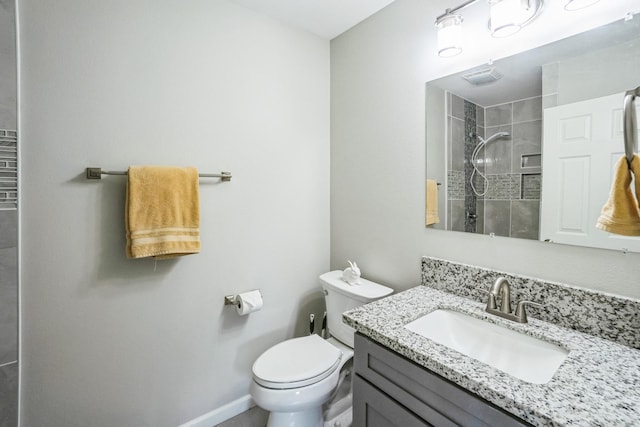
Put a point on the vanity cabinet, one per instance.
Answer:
(390, 390)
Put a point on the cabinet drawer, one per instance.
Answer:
(422, 392)
(373, 408)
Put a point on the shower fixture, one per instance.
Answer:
(474, 156)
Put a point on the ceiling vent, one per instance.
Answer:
(482, 77)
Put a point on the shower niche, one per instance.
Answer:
(493, 157)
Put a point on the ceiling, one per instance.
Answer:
(325, 18)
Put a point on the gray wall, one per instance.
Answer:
(108, 341)
(603, 72)
(378, 75)
(8, 229)
(435, 103)
(8, 69)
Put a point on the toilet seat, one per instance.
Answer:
(296, 363)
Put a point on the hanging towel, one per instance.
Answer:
(621, 214)
(432, 202)
(162, 212)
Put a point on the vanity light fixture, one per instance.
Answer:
(449, 34)
(449, 26)
(509, 16)
(579, 4)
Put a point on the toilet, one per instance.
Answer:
(293, 379)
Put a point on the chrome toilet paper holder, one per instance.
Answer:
(230, 300)
(245, 302)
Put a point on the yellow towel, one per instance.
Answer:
(621, 214)
(432, 202)
(162, 212)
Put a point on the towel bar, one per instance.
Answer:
(96, 173)
(630, 138)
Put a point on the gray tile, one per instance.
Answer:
(525, 219)
(455, 185)
(531, 186)
(549, 101)
(480, 116)
(527, 110)
(496, 217)
(479, 182)
(8, 305)
(527, 139)
(498, 115)
(9, 395)
(254, 417)
(457, 144)
(469, 210)
(498, 152)
(550, 78)
(503, 187)
(480, 213)
(456, 215)
(8, 228)
(457, 107)
(449, 142)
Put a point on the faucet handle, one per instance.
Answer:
(491, 301)
(521, 313)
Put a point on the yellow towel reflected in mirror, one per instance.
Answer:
(621, 213)
(432, 202)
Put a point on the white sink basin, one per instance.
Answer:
(517, 354)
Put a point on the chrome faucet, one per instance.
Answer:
(500, 288)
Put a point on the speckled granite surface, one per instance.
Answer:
(604, 315)
(597, 385)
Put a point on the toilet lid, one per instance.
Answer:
(296, 362)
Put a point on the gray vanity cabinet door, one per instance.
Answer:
(383, 374)
(373, 408)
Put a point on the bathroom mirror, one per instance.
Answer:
(525, 146)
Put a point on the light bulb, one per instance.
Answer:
(579, 4)
(509, 16)
(449, 35)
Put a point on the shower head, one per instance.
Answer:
(494, 136)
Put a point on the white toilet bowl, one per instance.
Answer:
(293, 391)
(298, 406)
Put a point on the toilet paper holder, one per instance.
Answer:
(245, 302)
(233, 299)
(230, 299)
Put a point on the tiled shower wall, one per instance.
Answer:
(464, 120)
(8, 220)
(512, 166)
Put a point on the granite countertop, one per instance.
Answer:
(597, 385)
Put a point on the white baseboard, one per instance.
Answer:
(222, 414)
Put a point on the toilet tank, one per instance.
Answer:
(340, 296)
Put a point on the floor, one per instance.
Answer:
(254, 417)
